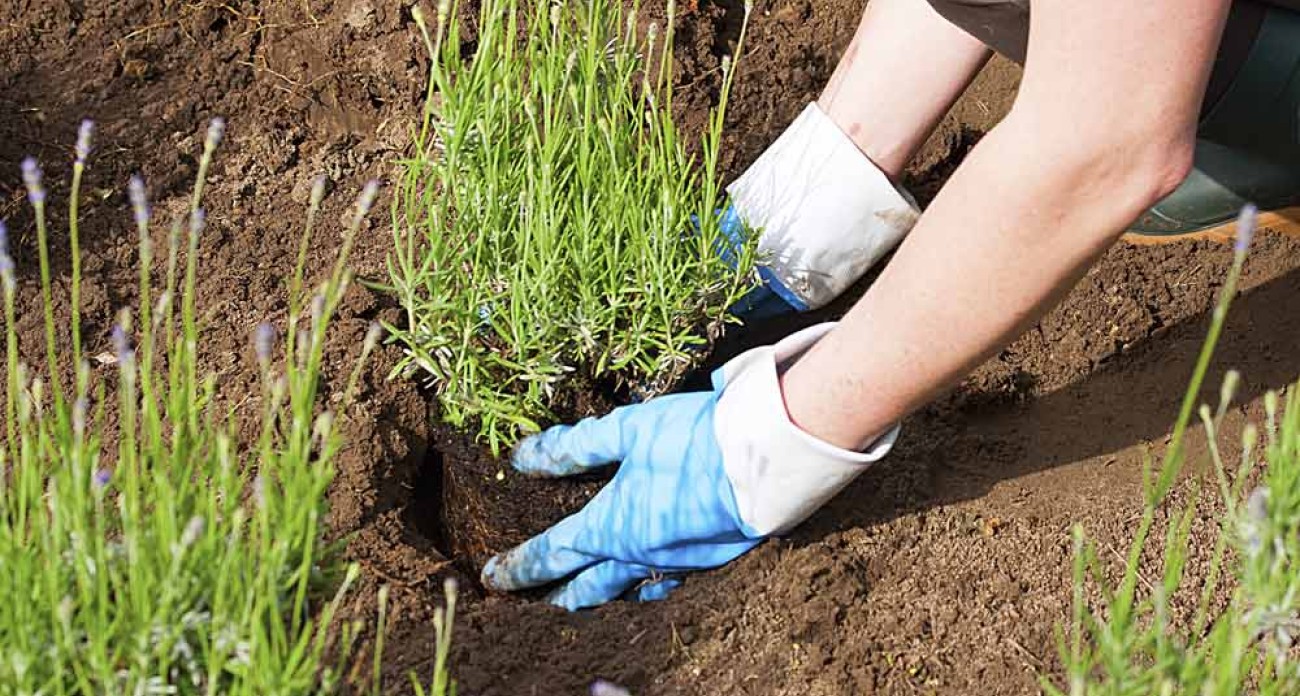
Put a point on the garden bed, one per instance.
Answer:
(944, 569)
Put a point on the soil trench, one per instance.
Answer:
(942, 570)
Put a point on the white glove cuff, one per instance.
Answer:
(779, 473)
(826, 212)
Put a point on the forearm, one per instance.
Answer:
(862, 96)
(1012, 231)
(1103, 127)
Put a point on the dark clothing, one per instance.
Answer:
(1004, 26)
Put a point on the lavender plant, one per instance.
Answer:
(552, 227)
(154, 552)
(440, 684)
(1129, 645)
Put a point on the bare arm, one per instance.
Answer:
(1104, 126)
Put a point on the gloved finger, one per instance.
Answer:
(538, 561)
(655, 590)
(566, 450)
(598, 584)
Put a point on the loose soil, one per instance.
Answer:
(942, 570)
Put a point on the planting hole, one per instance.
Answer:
(424, 513)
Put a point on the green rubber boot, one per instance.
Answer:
(1248, 147)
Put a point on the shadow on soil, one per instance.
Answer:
(1132, 399)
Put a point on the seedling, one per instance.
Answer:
(554, 229)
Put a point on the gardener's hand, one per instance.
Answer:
(704, 477)
(825, 213)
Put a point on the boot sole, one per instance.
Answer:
(1285, 221)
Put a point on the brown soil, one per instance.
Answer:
(944, 569)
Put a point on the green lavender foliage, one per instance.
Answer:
(440, 684)
(552, 227)
(1128, 644)
(149, 551)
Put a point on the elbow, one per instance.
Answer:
(1116, 177)
(1131, 173)
(1157, 170)
(1118, 162)
(1127, 178)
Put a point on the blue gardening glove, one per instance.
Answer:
(826, 214)
(704, 478)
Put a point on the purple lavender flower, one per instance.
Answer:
(367, 199)
(318, 190)
(101, 478)
(83, 141)
(119, 339)
(32, 179)
(263, 342)
(6, 261)
(139, 200)
(1246, 227)
(216, 131)
(198, 221)
(373, 334)
(121, 346)
(600, 687)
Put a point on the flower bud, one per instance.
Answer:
(600, 687)
(120, 343)
(84, 134)
(198, 221)
(6, 261)
(1246, 222)
(263, 343)
(322, 427)
(373, 335)
(38, 396)
(367, 199)
(32, 180)
(318, 190)
(1228, 389)
(164, 304)
(216, 131)
(139, 200)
